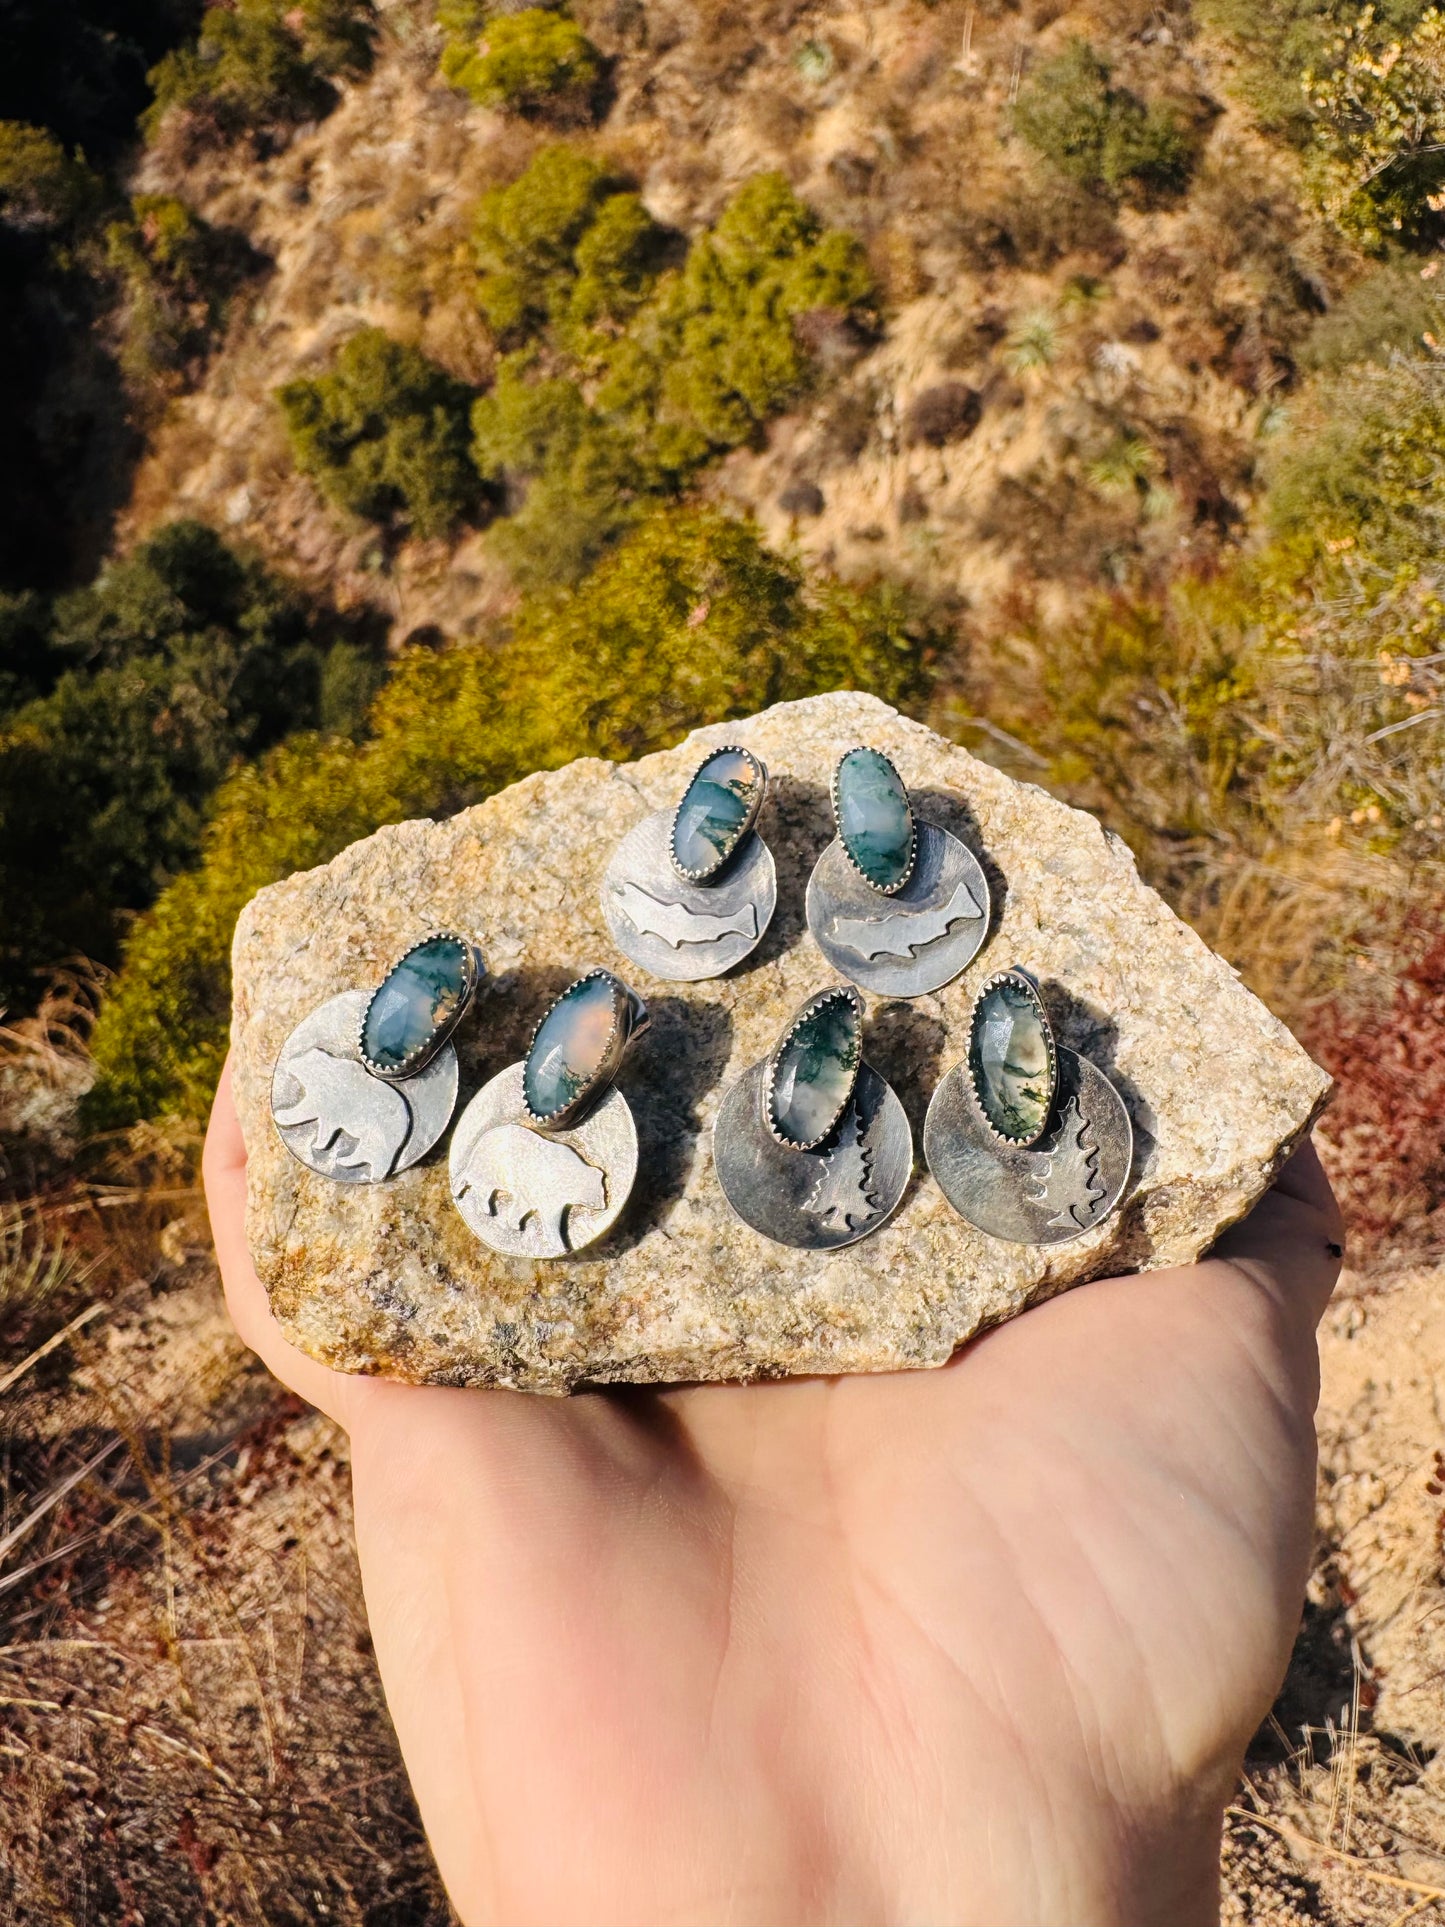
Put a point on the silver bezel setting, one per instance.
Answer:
(829, 994)
(1015, 976)
(629, 1021)
(713, 869)
(893, 888)
(473, 971)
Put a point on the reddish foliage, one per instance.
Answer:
(1383, 1137)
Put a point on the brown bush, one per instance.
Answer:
(1383, 1138)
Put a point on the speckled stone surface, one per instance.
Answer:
(388, 1278)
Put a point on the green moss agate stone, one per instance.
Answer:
(716, 808)
(815, 1070)
(1010, 1059)
(875, 820)
(570, 1046)
(416, 998)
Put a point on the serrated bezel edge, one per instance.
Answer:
(850, 994)
(722, 749)
(417, 1060)
(1012, 975)
(903, 881)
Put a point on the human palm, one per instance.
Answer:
(982, 1645)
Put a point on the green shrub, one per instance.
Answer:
(682, 366)
(715, 353)
(1391, 310)
(177, 274)
(532, 62)
(577, 479)
(689, 620)
(1377, 103)
(565, 243)
(43, 189)
(263, 63)
(1362, 463)
(1103, 136)
(164, 672)
(384, 435)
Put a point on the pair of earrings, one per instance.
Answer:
(896, 904)
(544, 1156)
(1029, 1141)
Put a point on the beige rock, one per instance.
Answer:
(388, 1279)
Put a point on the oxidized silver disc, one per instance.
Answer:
(1045, 1193)
(911, 943)
(540, 1194)
(341, 1121)
(818, 1199)
(684, 931)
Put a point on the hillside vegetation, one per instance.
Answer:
(405, 396)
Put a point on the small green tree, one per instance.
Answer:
(43, 189)
(1099, 135)
(532, 62)
(716, 351)
(384, 435)
(577, 478)
(263, 63)
(566, 242)
(176, 274)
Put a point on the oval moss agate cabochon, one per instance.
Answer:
(1011, 1058)
(416, 1002)
(813, 1069)
(570, 1045)
(717, 810)
(875, 818)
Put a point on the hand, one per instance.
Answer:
(982, 1644)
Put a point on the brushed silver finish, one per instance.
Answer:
(1045, 1193)
(339, 1120)
(679, 931)
(540, 1194)
(910, 943)
(823, 1199)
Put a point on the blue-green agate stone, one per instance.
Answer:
(815, 1071)
(875, 819)
(416, 999)
(1010, 1060)
(570, 1046)
(716, 807)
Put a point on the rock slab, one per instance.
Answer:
(388, 1278)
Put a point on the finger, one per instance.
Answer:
(223, 1168)
(1292, 1243)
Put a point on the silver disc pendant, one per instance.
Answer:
(910, 942)
(540, 1194)
(679, 930)
(340, 1120)
(819, 1199)
(1057, 1188)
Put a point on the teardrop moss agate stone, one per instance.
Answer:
(875, 819)
(1011, 1060)
(418, 997)
(815, 1070)
(570, 1046)
(716, 809)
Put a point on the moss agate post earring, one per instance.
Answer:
(1029, 1141)
(543, 1158)
(689, 892)
(365, 1086)
(895, 904)
(812, 1146)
